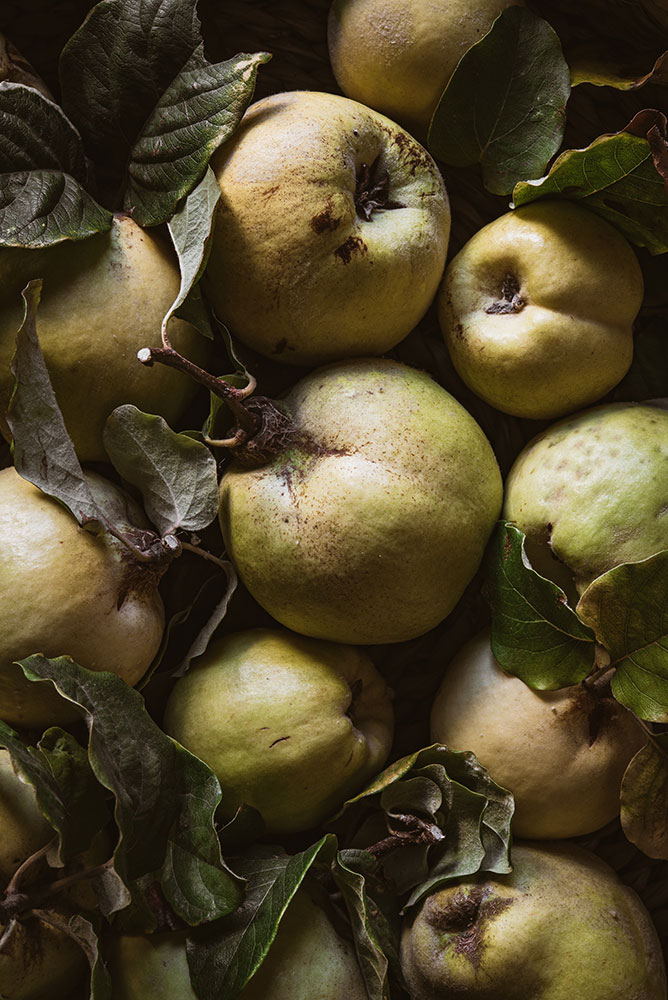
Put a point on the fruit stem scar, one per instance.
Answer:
(511, 301)
(372, 191)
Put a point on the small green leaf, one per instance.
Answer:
(165, 797)
(43, 450)
(176, 475)
(366, 920)
(616, 177)
(590, 62)
(199, 110)
(627, 608)
(42, 172)
(65, 787)
(190, 228)
(224, 959)
(535, 634)
(644, 798)
(505, 104)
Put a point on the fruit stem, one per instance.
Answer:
(7, 933)
(15, 881)
(206, 555)
(234, 397)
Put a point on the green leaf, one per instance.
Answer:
(43, 450)
(505, 104)
(176, 475)
(590, 62)
(616, 177)
(627, 608)
(117, 66)
(367, 921)
(197, 113)
(86, 933)
(65, 787)
(535, 634)
(433, 816)
(165, 797)
(190, 228)
(42, 172)
(224, 959)
(644, 798)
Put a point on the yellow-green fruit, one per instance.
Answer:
(537, 309)
(103, 299)
(290, 725)
(39, 962)
(369, 525)
(561, 753)
(65, 592)
(398, 55)
(23, 828)
(591, 491)
(308, 960)
(561, 926)
(331, 232)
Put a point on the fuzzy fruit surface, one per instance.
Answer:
(537, 309)
(103, 299)
(561, 925)
(369, 526)
(592, 491)
(561, 753)
(331, 231)
(65, 592)
(308, 960)
(398, 55)
(291, 726)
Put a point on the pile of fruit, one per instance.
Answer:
(334, 502)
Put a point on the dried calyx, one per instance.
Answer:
(372, 190)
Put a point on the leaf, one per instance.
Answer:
(433, 816)
(535, 634)
(647, 378)
(86, 933)
(197, 113)
(627, 608)
(43, 451)
(223, 959)
(42, 170)
(505, 104)
(190, 228)
(644, 798)
(176, 475)
(117, 66)
(591, 63)
(66, 790)
(616, 177)
(166, 798)
(365, 917)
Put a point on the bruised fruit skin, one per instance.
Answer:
(537, 309)
(65, 592)
(561, 753)
(103, 299)
(592, 490)
(331, 232)
(398, 55)
(561, 925)
(291, 726)
(308, 960)
(370, 523)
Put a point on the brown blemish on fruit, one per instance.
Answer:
(511, 301)
(325, 221)
(465, 919)
(281, 345)
(415, 155)
(354, 244)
